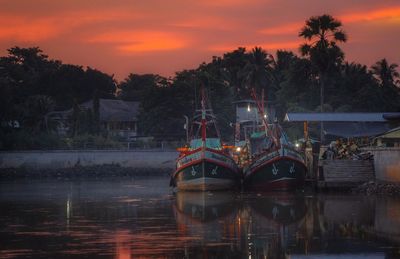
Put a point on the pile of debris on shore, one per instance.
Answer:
(340, 149)
(95, 171)
(372, 187)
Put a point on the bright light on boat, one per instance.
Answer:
(265, 115)
(238, 149)
(248, 108)
(297, 145)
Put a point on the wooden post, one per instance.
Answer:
(305, 125)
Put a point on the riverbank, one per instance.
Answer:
(371, 188)
(115, 171)
(95, 171)
(157, 159)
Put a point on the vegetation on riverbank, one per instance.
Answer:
(32, 86)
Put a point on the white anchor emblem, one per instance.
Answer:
(275, 212)
(274, 169)
(292, 169)
(214, 171)
(193, 171)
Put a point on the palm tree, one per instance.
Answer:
(257, 71)
(323, 33)
(232, 65)
(388, 79)
(387, 74)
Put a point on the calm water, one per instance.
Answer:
(141, 218)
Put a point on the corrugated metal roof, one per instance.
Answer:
(340, 117)
(393, 133)
(355, 129)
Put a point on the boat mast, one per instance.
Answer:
(203, 117)
(260, 107)
(260, 111)
(213, 118)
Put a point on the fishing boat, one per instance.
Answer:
(205, 164)
(274, 163)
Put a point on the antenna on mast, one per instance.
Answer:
(213, 117)
(268, 131)
(203, 116)
(260, 109)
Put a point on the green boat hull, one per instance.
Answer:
(281, 173)
(206, 175)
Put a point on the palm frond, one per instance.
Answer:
(340, 36)
(305, 49)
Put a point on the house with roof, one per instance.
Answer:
(390, 138)
(117, 117)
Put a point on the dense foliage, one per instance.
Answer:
(32, 86)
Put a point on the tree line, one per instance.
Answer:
(317, 79)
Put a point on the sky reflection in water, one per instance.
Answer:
(140, 218)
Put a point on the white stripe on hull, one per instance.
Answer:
(206, 184)
(283, 179)
(210, 156)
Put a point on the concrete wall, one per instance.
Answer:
(387, 164)
(152, 159)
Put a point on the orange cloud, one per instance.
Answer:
(23, 29)
(231, 2)
(142, 41)
(290, 28)
(32, 29)
(381, 14)
(208, 22)
(281, 45)
(197, 29)
(294, 28)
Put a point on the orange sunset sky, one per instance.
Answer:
(164, 36)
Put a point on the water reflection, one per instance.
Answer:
(211, 218)
(141, 218)
(271, 223)
(387, 219)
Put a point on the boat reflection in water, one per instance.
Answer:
(270, 224)
(210, 220)
(229, 226)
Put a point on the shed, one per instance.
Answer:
(358, 124)
(341, 116)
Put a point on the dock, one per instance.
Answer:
(338, 174)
